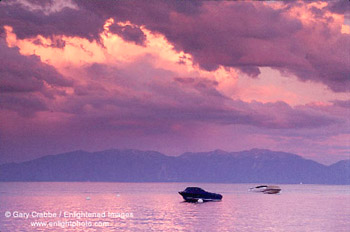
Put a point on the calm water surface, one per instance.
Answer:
(158, 207)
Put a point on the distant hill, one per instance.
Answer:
(339, 173)
(253, 166)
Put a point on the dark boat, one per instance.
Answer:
(195, 194)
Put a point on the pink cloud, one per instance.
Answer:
(155, 78)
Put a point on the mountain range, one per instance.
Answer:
(253, 166)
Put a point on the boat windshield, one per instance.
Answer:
(261, 186)
(194, 189)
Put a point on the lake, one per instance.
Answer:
(158, 206)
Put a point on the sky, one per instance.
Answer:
(174, 76)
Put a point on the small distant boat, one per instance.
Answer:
(195, 194)
(269, 189)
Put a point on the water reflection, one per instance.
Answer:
(158, 206)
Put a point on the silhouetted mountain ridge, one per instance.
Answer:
(256, 165)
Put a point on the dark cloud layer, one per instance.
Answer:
(129, 33)
(176, 100)
(68, 22)
(345, 104)
(24, 81)
(339, 7)
(244, 35)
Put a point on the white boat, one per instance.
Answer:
(268, 189)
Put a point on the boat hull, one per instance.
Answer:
(191, 197)
(271, 191)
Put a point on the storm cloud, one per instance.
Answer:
(167, 75)
(243, 35)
